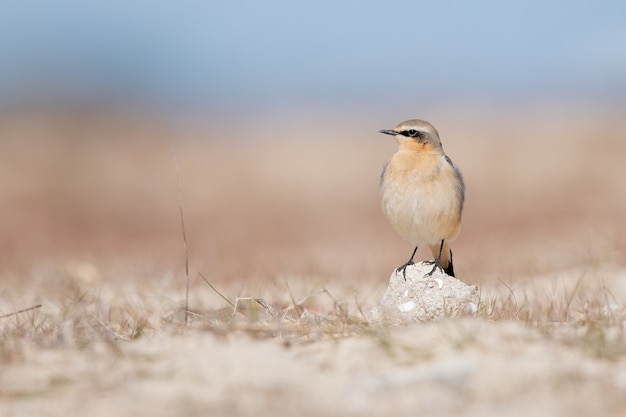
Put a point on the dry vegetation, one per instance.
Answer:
(288, 251)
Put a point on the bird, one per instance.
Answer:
(423, 193)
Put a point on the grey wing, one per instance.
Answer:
(460, 185)
(382, 175)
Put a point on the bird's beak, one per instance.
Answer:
(389, 132)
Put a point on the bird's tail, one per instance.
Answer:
(446, 257)
(450, 268)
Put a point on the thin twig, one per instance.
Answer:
(20, 311)
(358, 306)
(569, 298)
(293, 300)
(216, 291)
(182, 225)
(508, 287)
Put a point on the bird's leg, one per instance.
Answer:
(402, 268)
(436, 263)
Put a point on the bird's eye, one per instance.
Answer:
(412, 133)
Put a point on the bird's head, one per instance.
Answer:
(416, 135)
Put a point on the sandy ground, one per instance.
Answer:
(455, 368)
(91, 232)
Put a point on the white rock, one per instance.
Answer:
(407, 306)
(424, 298)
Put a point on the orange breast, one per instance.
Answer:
(420, 197)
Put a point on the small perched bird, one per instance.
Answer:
(423, 192)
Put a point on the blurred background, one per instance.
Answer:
(272, 110)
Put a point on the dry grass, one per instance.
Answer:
(576, 312)
(528, 350)
(287, 244)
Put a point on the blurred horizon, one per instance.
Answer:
(235, 56)
(273, 109)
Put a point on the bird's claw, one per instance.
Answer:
(402, 269)
(436, 265)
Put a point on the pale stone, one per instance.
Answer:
(423, 298)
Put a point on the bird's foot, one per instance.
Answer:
(402, 268)
(436, 265)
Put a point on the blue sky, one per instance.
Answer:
(234, 52)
